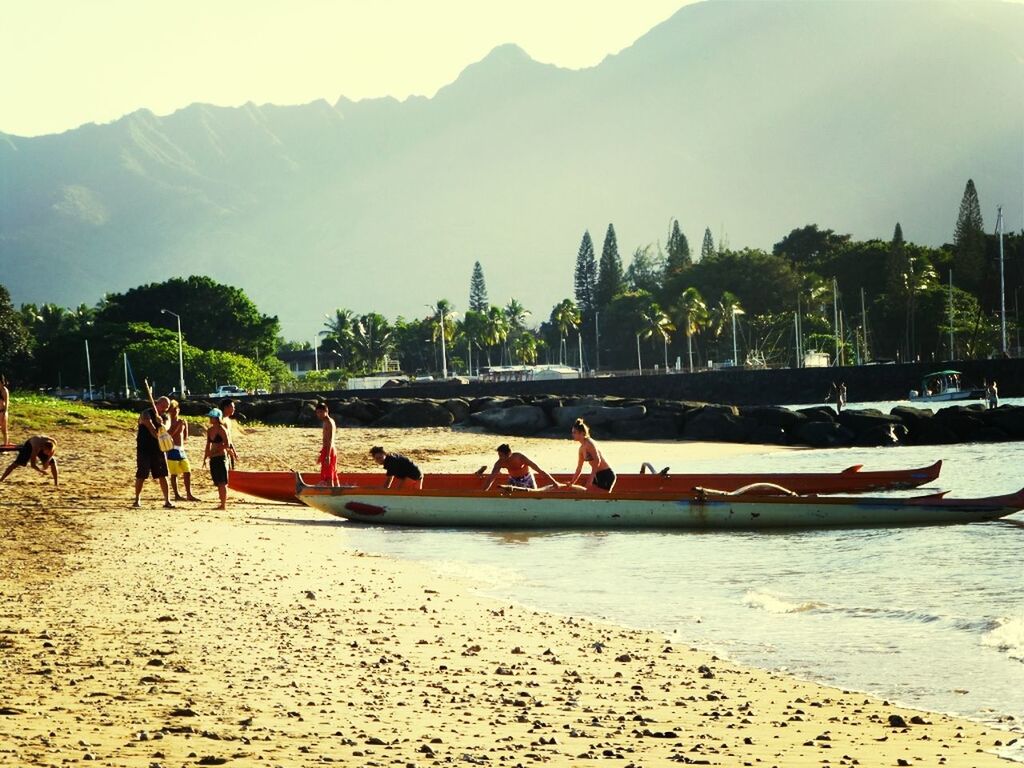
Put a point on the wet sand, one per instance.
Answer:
(179, 637)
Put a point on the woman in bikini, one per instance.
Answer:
(602, 477)
(218, 449)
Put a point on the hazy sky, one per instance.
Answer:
(68, 62)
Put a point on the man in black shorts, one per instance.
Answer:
(149, 459)
(38, 452)
(398, 468)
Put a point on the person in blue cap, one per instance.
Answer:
(218, 450)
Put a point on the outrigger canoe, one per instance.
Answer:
(280, 486)
(634, 510)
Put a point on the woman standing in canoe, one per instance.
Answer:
(602, 477)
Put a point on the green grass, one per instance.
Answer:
(39, 413)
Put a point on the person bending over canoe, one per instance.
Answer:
(602, 477)
(38, 452)
(398, 467)
(518, 467)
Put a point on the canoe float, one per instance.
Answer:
(280, 486)
(633, 510)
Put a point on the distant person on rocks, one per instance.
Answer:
(5, 404)
(177, 458)
(841, 397)
(328, 454)
(518, 467)
(602, 476)
(218, 451)
(149, 459)
(36, 452)
(398, 467)
(992, 395)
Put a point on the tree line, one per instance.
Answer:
(859, 301)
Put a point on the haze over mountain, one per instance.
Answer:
(751, 118)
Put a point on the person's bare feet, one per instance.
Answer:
(193, 498)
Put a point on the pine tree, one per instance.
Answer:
(478, 290)
(585, 279)
(900, 284)
(707, 248)
(969, 242)
(678, 251)
(609, 270)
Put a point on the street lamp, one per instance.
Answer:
(181, 354)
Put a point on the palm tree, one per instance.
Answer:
(373, 339)
(442, 323)
(516, 314)
(474, 328)
(525, 348)
(340, 331)
(657, 323)
(496, 330)
(565, 316)
(724, 314)
(694, 309)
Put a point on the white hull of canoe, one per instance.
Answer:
(563, 510)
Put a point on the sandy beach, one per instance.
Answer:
(191, 636)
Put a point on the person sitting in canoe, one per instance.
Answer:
(518, 467)
(398, 467)
(602, 477)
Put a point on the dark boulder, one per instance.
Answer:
(717, 425)
(1008, 418)
(991, 435)
(358, 410)
(962, 421)
(880, 435)
(768, 434)
(818, 413)
(459, 409)
(914, 419)
(775, 416)
(519, 420)
(872, 424)
(932, 432)
(824, 434)
(650, 428)
(595, 415)
(416, 413)
(487, 403)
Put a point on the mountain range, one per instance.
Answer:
(748, 118)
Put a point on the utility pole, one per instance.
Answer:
(1002, 278)
(835, 315)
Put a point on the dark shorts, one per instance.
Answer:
(24, 454)
(526, 481)
(219, 470)
(604, 479)
(150, 464)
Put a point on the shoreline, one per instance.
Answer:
(149, 636)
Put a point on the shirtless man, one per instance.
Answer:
(177, 458)
(37, 452)
(328, 455)
(227, 420)
(518, 467)
(5, 403)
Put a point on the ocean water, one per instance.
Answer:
(930, 617)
